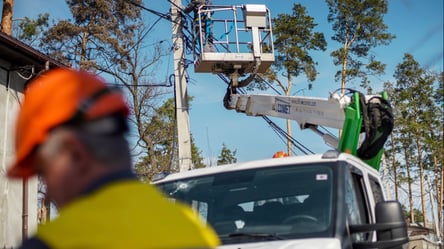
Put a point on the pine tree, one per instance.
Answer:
(416, 126)
(294, 40)
(226, 156)
(98, 28)
(110, 37)
(30, 31)
(359, 27)
(161, 133)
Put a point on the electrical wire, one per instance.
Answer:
(327, 131)
(287, 136)
(268, 83)
(189, 45)
(186, 37)
(283, 134)
(284, 141)
(135, 44)
(164, 16)
(181, 9)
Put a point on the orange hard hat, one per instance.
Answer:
(54, 98)
(280, 154)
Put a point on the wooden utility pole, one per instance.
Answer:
(180, 90)
(7, 16)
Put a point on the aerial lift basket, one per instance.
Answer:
(233, 39)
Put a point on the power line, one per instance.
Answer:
(162, 15)
(181, 10)
(167, 17)
(136, 43)
(275, 127)
(188, 42)
(287, 136)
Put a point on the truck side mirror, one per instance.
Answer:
(390, 227)
(390, 212)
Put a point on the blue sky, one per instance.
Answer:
(418, 26)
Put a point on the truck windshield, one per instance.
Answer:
(261, 204)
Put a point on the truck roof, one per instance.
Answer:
(329, 156)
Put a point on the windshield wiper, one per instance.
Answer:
(269, 236)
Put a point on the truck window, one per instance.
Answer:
(376, 189)
(356, 203)
(286, 201)
(201, 208)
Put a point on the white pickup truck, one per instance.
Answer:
(329, 201)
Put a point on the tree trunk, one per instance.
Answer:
(343, 77)
(7, 16)
(438, 185)
(344, 69)
(422, 184)
(409, 183)
(289, 144)
(83, 55)
(441, 204)
(421, 177)
(394, 166)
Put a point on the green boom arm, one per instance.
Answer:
(351, 131)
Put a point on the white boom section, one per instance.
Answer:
(304, 110)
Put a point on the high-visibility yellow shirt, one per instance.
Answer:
(127, 214)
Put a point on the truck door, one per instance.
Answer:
(356, 203)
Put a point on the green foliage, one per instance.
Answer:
(294, 39)
(162, 150)
(416, 143)
(359, 27)
(196, 157)
(439, 95)
(98, 28)
(226, 156)
(414, 93)
(109, 37)
(30, 30)
(419, 216)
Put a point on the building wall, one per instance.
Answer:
(422, 242)
(11, 190)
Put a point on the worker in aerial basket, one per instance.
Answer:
(71, 130)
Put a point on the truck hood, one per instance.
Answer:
(318, 243)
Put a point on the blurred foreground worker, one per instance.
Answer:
(70, 130)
